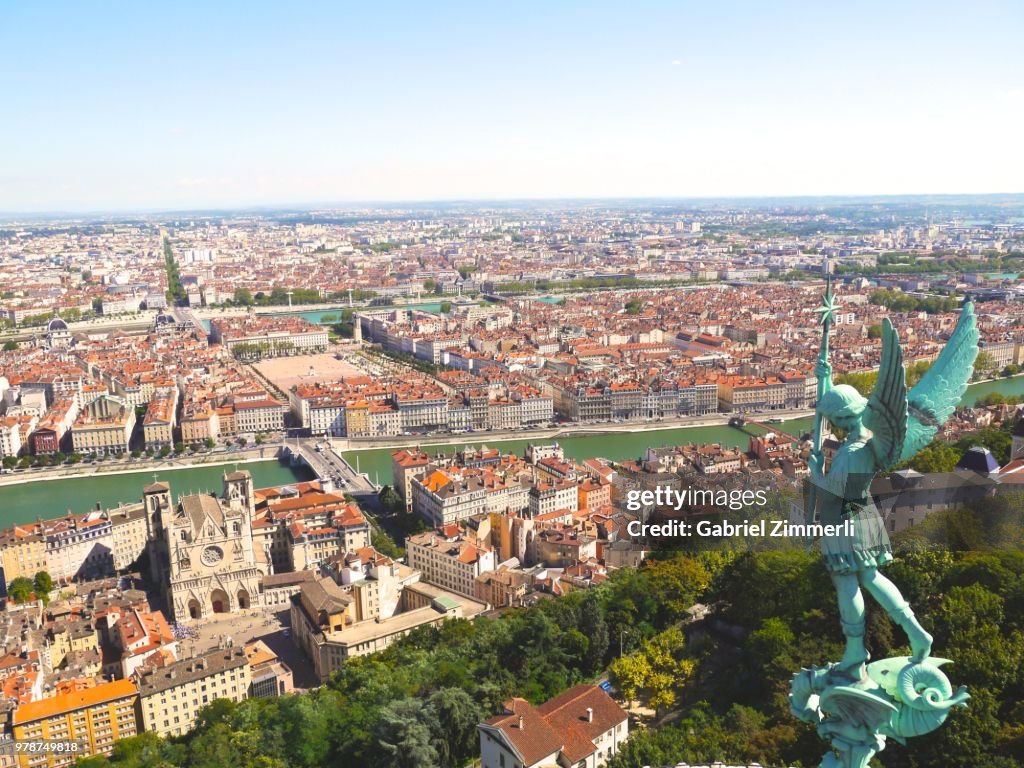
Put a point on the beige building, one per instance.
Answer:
(22, 553)
(158, 423)
(199, 423)
(171, 696)
(446, 559)
(128, 531)
(104, 426)
(372, 602)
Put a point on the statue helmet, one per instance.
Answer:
(842, 402)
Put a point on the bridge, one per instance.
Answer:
(328, 464)
(739, 422)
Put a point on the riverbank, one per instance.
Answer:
(562, 433)
(25, 476)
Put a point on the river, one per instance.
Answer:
(53, 498)
(26, 502)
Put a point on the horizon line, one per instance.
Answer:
(399, 203)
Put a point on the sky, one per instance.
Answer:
(184, 105)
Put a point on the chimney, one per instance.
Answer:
(521, 723)
(590, 714)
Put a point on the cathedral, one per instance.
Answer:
(201, 549)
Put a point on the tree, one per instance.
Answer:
(595, 629)
(429, 285)
(243, 296)
(10, 346)
(165, 451)
(42, 584)
(20, 590)
(404, 736)
(210, 442)
(179, 447)
(984, 365)
(74, 458)
(452, 717)
(630, 675)
(675, 584)
(10, 462)
(446, 307)
(875, 331)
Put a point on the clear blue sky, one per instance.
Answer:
(187, 104)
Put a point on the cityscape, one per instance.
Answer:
(512, 386)
(143, 350)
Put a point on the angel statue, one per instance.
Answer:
(878, 432)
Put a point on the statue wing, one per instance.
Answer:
(886, 414)
(934, 398)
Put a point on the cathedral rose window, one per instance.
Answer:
(212, 555)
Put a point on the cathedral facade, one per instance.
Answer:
(201, 549)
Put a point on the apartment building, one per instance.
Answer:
(79, 546)
(22, 552)
(104, 426)
(128, 533)
(160, 419)
(447, 559)
(740, 394)
(551, 496)
(406, 464)
(94, 717)
(446, 496)
(171, 696)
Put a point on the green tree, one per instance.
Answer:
(629, 674)
(452, 717)
(595, 629)
(10, 346)
(985, 365)
(243, 297)
(404, 735)
(875, 331)
(42, 584)
(20, 590)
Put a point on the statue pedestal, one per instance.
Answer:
(897, 698)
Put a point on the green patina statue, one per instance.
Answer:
(854, 704)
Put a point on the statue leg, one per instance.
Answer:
(888, 596)
(851, 613)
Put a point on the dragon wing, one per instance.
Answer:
(886, 414)
(934, 398)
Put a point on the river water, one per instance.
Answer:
(52, 498)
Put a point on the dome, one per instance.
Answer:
(56, 325)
